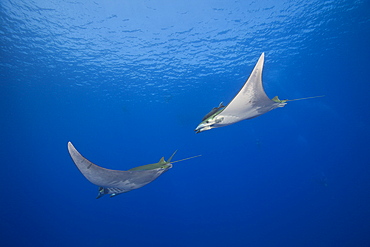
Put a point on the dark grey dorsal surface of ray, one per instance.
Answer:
(116, 182)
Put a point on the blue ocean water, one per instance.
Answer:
(128, 81)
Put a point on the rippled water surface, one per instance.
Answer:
(150, 45)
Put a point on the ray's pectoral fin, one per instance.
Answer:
(250, 102)
(115, 182)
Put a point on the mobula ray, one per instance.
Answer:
(250, 102)
(115, 182)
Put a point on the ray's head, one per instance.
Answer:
(210, 119)
(208, 124)
(203, 126)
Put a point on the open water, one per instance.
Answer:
(128, 81)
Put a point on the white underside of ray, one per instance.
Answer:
(251, 101)
(114, 180)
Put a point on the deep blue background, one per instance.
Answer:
(128, 81)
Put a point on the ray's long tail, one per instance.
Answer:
(306, 98)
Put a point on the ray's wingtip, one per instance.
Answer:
(70, 147)
(262, 57)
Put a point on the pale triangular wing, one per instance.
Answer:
(251, 101)
(123, 180)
